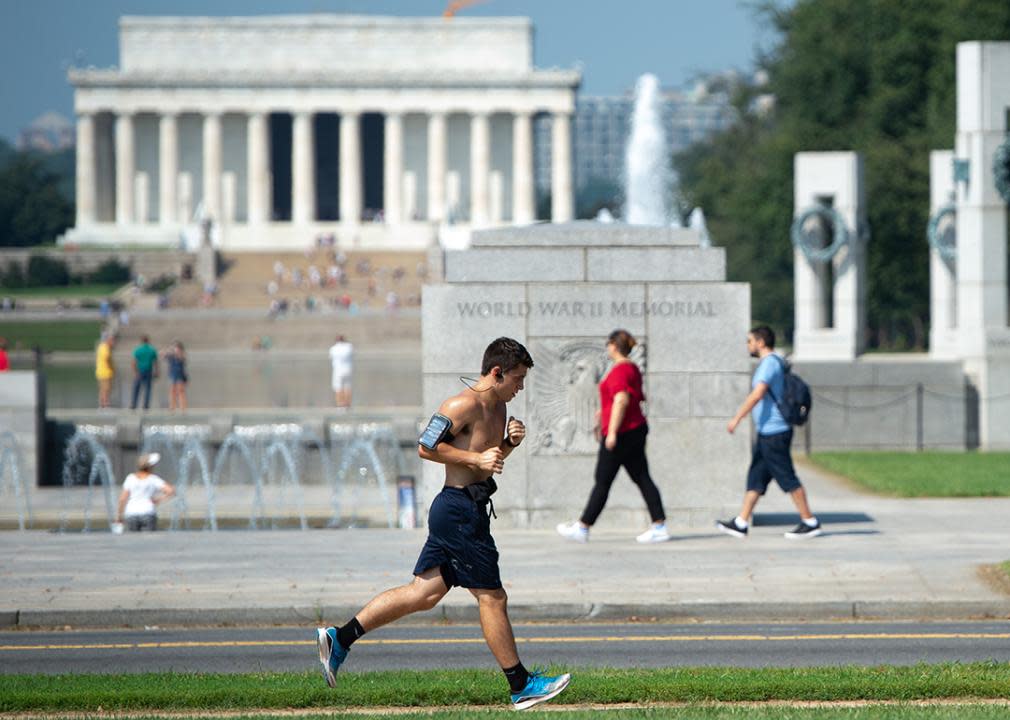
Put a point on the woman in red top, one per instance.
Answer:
(623, 443)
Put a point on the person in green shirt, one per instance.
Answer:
(145, 367)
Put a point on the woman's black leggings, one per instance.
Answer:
(630, 452)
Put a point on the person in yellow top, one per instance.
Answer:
(105, 370)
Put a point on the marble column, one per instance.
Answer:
(561, 168)
(105, 167)
(258, 168)
(86, 170)
(168, 169)
(303, 170)
(942, 271)
(523, 189)
(480, 167)
(436, 166)
(350, 168)
(983, 333)
(982, 126)
(125, 168)
(392, 181)
(212, 166)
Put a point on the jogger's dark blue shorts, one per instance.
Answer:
(771, 459)
(460, 543)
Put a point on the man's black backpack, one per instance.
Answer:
(795, 402)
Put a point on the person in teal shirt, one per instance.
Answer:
(145, 367)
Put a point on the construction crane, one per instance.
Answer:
(455, 6)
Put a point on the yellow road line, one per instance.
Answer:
(575, 639)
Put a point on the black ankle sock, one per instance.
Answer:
(350, 632)
(517, 677)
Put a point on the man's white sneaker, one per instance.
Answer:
(655, 534)
(573, 531)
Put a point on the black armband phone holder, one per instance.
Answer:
(437, 431)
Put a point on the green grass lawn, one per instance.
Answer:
(691, 712)
(156, 692)
(64, 292)
(924, 474)
(52, 335)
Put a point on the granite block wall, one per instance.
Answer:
(561, 289)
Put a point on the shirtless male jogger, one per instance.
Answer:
(465, 435)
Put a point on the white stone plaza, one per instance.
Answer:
(279, 128)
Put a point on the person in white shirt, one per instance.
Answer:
(142, 491)
(341, 358)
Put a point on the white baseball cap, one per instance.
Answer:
(147, 461)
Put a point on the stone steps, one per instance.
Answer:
(245, 277)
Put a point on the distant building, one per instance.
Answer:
(50, 132)
(275, 129)
(603, 124)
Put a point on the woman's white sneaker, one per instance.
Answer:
(655, 534)
(574, 531)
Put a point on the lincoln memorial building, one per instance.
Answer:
(380, 130)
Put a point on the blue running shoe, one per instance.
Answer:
(331, 654)
(539, 688)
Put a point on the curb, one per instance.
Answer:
(558, 613)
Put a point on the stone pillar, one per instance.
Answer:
(453, 192)
(523, 188)
(350, 168)
(942, 271)
(125, 168)
(981, 216)
(983, 100)
(168, 169)
(838, 177)
(86, 170)
(409, 195)
(561, 168)
(437, 160)
(186, 196)
(480, 167)
(229, 197)
(105, 167)
(496, 195)
(258, 168)
(392, 181)
(303, 170)
(212, 166)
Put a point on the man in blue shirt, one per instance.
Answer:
(771, 457)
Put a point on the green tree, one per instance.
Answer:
(44, 271)
(6, 153)
(874, 76)
(33, 209)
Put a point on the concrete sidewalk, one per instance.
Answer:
(878, 558)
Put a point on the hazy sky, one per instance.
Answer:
(613, 42)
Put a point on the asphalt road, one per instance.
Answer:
(234, 650)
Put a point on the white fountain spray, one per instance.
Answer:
(649, 177)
